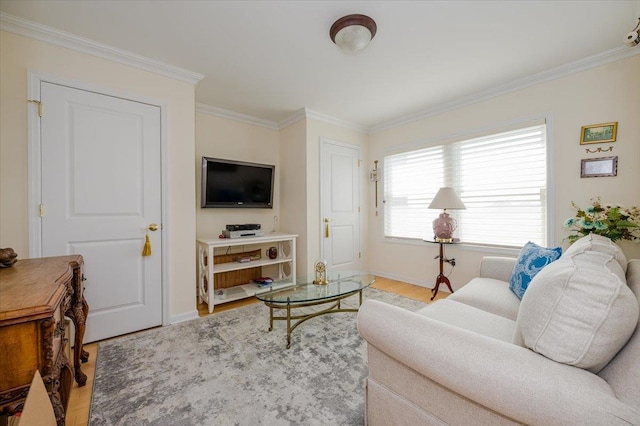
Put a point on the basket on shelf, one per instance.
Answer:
(241, 276)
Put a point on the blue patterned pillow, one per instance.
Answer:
(531, 260)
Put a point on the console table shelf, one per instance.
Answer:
(236, 266)
(211, 295)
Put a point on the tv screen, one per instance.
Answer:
(228, 183)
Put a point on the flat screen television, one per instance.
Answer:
(228, 183)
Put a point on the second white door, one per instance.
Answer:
(101, 189)
(340, 192)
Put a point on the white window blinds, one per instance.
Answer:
(411, 180)
(501, 178)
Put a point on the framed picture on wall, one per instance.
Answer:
(598, 133)
(599, 167)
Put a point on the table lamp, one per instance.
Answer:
(444, 225)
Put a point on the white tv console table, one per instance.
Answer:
(286, 244)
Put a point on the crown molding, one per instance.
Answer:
(585, 64)
(230, 115)
(336, 121)
(300, 114)
(50, 35)
(293, 118)
(308, 113)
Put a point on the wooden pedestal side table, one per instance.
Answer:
(35, 296)
(442, 279)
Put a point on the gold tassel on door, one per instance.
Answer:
(146, 251)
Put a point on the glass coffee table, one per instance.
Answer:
(304, 293)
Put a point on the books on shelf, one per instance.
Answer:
(245, 259)
(262, 281)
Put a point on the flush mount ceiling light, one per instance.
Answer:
(352, 33)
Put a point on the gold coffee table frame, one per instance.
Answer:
(307, 294)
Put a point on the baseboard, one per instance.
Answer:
(420, 283)
(187, 316)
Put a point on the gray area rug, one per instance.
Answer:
(227, 369)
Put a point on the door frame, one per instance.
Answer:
(34, 166)
(324, 142)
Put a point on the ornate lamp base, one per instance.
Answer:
(443, 228)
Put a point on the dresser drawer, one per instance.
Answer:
(18, 359)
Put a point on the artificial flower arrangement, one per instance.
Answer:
(609, 220)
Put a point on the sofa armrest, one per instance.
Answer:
(497, 267)
(503, 377)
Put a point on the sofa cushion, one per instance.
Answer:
(470, 318)
(594, 242)
(578, 311)
(490, 295)
(497, 267)
(623, 372)
(531, 260)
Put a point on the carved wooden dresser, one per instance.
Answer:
(35, 296)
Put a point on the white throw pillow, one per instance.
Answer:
(594, 242)
(578, 311)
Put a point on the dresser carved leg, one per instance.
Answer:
(58, 410)
(56, 402)
(81, 378)
(84, 355)
(78, 315)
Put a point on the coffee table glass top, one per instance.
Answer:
(340, 284)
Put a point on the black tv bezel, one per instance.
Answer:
(203, 184)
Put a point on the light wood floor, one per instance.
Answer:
(80, 399)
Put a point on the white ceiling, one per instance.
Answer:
(269, 59)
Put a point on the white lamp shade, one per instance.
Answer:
(447, 198)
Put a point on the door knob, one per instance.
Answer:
(153, 227)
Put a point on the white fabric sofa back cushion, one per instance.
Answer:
(623, 372)
(593, 242)
(578, 310)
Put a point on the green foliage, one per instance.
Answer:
(609, 220)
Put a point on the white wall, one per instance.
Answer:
(18, 55)
(603, 94)
(293, 187)
(233, 140)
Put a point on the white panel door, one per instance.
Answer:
(101, 188)
(340, 185)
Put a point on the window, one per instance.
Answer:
(501, 178)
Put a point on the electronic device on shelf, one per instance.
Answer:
(244, 227)
(242, 234)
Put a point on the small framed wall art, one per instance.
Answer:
(599, 167)
(598, 133)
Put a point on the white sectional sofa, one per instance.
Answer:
(567, 354)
